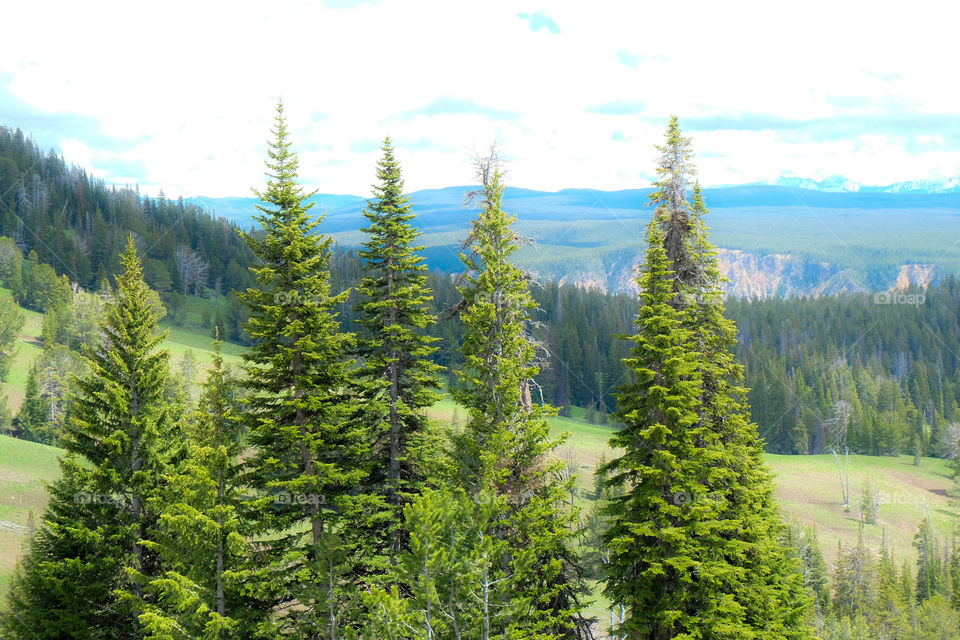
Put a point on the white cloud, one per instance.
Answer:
(187, 88)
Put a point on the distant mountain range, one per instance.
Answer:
(841, 184)
(776, 240)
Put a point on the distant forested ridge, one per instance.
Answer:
(889, 360)
(78, 225)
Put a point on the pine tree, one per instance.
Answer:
(33, 419)
(11, 322)
(649, 572)
(458, 588)
(307, 453)
(855, 580)
(891, 618)
(199, 536)
(929, 563)
(396, 379)
(503, 453)
(78, 579)
(696, 541)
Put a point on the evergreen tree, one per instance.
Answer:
(11, 322)
(396, 379)
(503, 453)
(696, 539)
(855, 580)
(929, 563)
(33, 419)
(458, 588)
(78, 578)
(307, 453)
(891, 619)
(199, 536)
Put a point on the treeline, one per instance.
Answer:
(887, 366)
(879, 374)
(872, 595)
(579, 332)
(78, 226)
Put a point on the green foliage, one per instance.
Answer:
(307, 453)
(11, 322)
(75, 323)
(505, 447)
(79, 577)
(876, 357)
(11, 265)
(78, 226)
(396, 380)
(458, 585)
(695, 544)
(43, 289)
(930, 574)
(33, 420)
(199, 535)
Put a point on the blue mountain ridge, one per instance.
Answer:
(777, 239)
(445, 206)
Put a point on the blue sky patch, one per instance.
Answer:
(539, 20)
(448, 106)
(618, 108)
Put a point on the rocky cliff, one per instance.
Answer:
(753, 276)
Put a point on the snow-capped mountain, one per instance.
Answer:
(839, 184)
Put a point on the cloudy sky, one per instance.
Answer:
(179, 95)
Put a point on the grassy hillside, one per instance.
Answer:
(24, 467)
(178, 342)
(807, 486)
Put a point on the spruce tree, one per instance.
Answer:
(505, 451)
(199, 536)
(307, 454)
(33, 419)
(78, 579)
(929, 563)
(696, 541)
(456, 585)
(653, 550)
(396, 379)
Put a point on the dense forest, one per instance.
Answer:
(78, 225)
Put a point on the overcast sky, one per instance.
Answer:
(180, 95)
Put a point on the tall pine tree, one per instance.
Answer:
(696, 541)
(396, 379)
(79, 576)
(505, 452)
(200, 536)
(307, 453)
